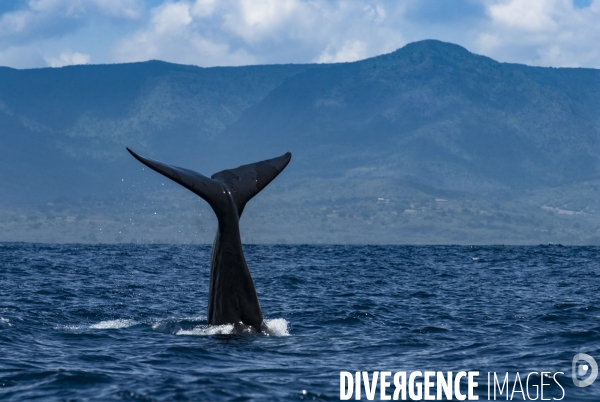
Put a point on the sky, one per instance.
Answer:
(56, 33)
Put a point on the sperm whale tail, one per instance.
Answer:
(232, 297)
(242, 183)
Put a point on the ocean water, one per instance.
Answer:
(128, 322)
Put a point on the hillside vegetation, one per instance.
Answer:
(429, 144)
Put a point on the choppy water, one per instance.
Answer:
(128, 322)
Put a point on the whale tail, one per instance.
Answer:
(232, 298)
(242, 183)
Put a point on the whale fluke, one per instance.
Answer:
(243, 182)
(232, 296)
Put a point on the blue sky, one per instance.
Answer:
(42, 33)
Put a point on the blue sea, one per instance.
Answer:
(128, 322)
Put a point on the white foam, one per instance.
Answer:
(114, 324)
(208, 330)
(157, 323)
(193, 318)
(278, 327)
(69, 327)
(5, 321)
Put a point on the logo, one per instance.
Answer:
(582, 370)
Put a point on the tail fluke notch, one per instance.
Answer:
(246, 181)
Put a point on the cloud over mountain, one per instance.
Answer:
(36, 33)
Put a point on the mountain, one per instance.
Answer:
(428, 144)
(66, 129)
(435, 113)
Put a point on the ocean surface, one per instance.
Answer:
(128, 322)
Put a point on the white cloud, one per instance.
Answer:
(171, 18)
(21, 57)
(204, 8)
(174, 33)
(68, 58)
(349, 51)
(253, 21)
(54, 18)
(236, 32)
(359, 30)
(542, 32)
(528, 16)
(15, 22)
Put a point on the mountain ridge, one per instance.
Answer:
(430, 98)
(430, 113)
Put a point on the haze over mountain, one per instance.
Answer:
(428, 144)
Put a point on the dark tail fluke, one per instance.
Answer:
(199, 184)
(242, 183)
(246, 181)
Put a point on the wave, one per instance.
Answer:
(108, 324)
(208, 330)
(70, 327)
(5, 322)
(114, 324)
(160, 324)
(277, 327)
